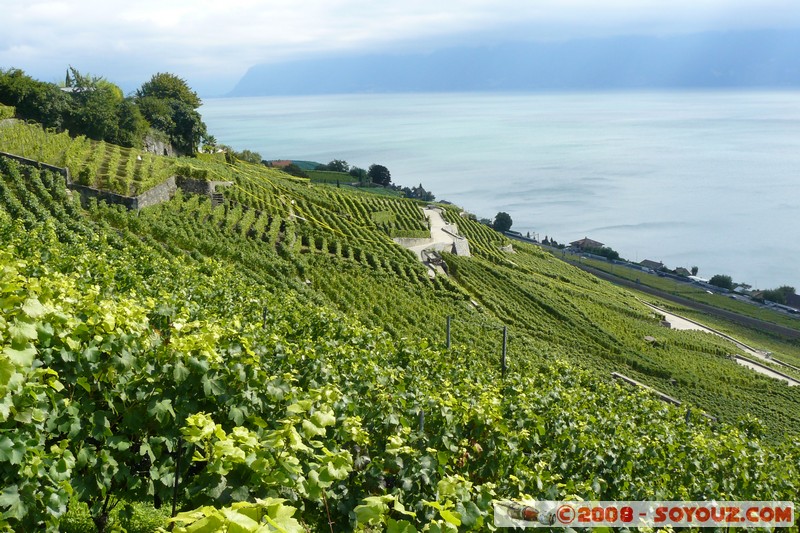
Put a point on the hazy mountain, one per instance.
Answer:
(713, 60)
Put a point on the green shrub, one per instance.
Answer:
(135, 517)
(189, 171)
(7, 111)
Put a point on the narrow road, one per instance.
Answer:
(682, 323)
(708, 309)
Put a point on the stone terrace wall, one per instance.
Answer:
(32, 162)
(194, 186)
(158, 194)
(87, 193)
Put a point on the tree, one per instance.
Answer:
(165, 86)
(94, 106)
(337, 165)
(33, 99)
(779, 295)
(695, 270)
(249, 156)
(722, 281)
(294, 170)
(604, 251)
(132, 127)
(209, 144)
(359, 173)
(170, 105)
(189, 128)
(380, 175)
(502, 221)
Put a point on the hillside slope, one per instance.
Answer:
(281, 350)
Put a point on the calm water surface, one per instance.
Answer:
(689, 178)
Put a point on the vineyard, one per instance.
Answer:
(125, 171)
(277, 362)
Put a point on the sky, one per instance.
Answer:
(211, 44)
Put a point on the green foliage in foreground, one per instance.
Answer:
(237, 360)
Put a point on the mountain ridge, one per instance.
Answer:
(704, 60)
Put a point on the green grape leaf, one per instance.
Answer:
(399, 526)
(161, 410)
(238, 522)
(400, 508)
(23, 358)
(23, 331)
(310, 430)
(7, 370)
(10, 499)
(323, 419)
(83, 382)
(34, 308)
(11, 451)
(469, 513)
(450, 517)
(208, 524)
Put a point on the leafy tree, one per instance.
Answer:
(90, 106)
(294, 170)
(604, 251)
(33, 99)
(380, 175)
(209, 144)
(722, 281)
(359, 173)
(337, 165)
(132, 127)
(502, 221)
(695, 270)
(779, 295)
(170, 105)
(189, 128)
(165, 86)
(94, 107)
(249, 156)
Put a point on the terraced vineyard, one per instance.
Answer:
(278, 362)
(125, 171)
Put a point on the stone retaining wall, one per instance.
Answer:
(32, 162)
(89, 193)
(153, 196)
(156, 195)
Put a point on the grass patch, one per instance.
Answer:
(329, 176)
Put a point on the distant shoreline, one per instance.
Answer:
(672, 177)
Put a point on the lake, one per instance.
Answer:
(688, 178)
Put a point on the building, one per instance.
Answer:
(586, 244)
(652, 265)
(279, 163)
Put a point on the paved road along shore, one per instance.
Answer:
(715, 311)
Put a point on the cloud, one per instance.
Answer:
(216, 40)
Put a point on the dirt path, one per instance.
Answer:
(444, 236)
(683, 323)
